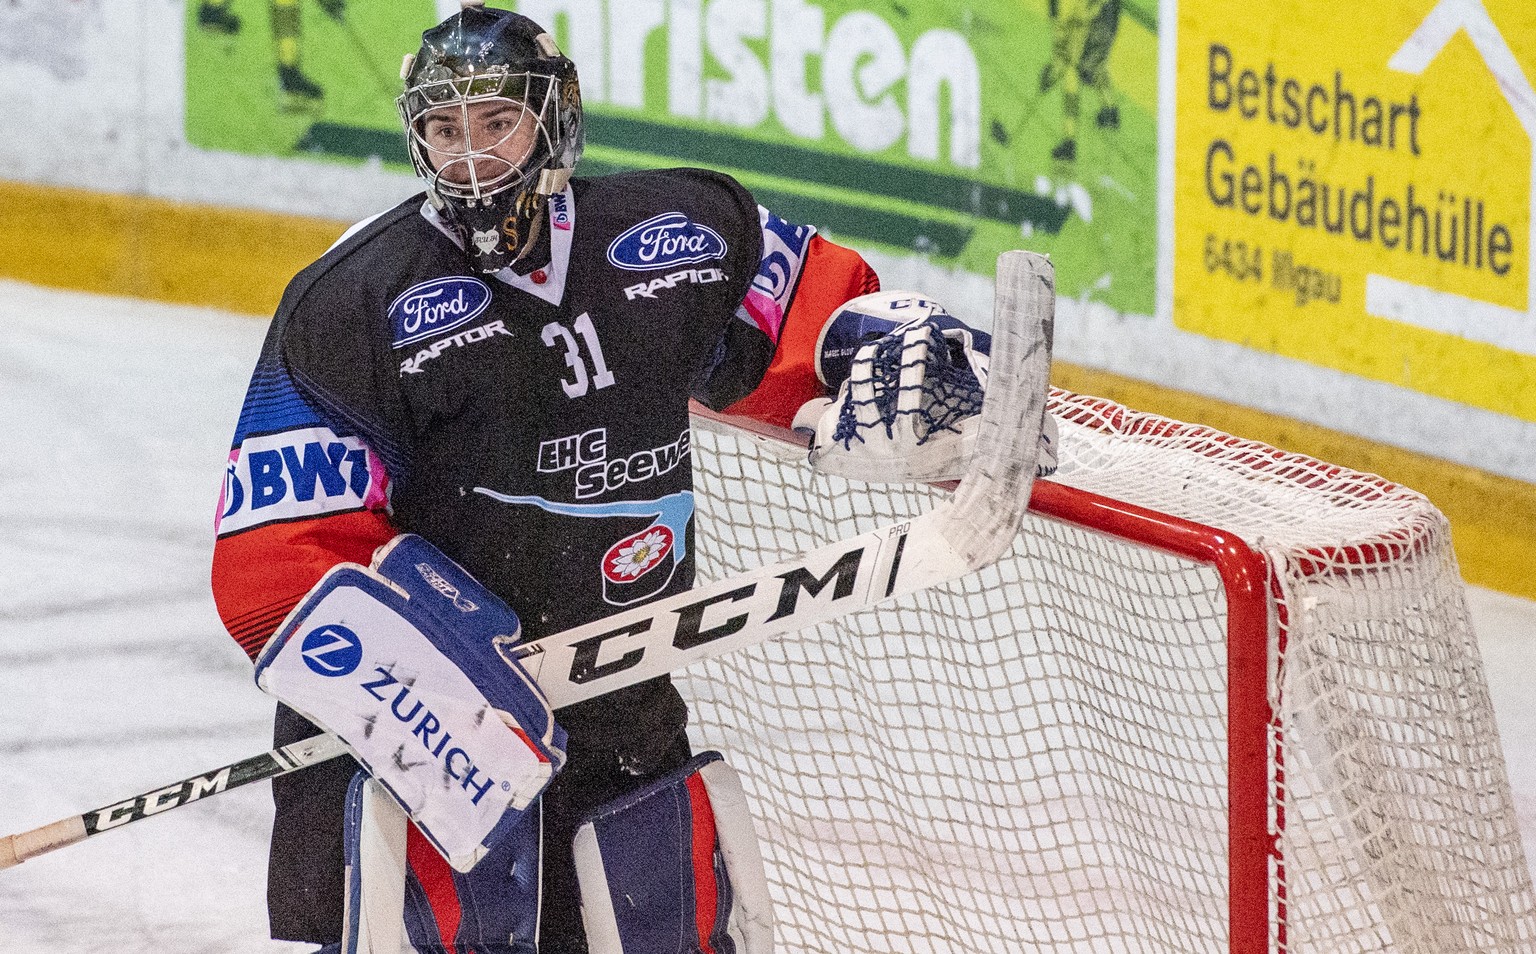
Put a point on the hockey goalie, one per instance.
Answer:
(470, 423)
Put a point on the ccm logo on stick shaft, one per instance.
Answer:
(14, 849)
(153, 803)
(709, 620)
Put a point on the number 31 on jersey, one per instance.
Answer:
(555, 332)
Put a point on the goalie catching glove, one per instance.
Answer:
(909, 380)
(396, 659)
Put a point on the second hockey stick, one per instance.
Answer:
(973, 529)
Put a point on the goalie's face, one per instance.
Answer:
(482, 145)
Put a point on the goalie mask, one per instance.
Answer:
(492, 115)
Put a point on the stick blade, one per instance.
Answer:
(994, 494)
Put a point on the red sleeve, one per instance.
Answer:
(830, 276)
(261, 574)
(303, 491)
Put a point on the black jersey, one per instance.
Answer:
(538, 433)
(535, 428)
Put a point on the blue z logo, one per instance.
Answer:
(332, 650)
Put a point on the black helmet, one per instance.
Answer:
(491, 169)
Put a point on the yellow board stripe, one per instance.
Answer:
(239, 260)
(224, 258)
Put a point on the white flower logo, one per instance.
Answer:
(640, 554)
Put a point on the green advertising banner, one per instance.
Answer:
(954, 131)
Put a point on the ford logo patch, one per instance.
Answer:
(665, 241)
(434, 307)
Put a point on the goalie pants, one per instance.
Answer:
(606, 759)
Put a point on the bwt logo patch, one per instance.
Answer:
(666, 241)
(560, 211)
(301, 473)
(437, 306)
(332, 650)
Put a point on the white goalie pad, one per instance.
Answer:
(674, 868)
(400, 903)
(372, 919)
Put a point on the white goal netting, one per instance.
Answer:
(1037, 758)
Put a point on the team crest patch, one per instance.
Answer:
(666, 241)
(434, 307)
(628, 564)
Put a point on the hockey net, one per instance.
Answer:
(1219, 698)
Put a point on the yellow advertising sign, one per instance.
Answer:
(1354, 186)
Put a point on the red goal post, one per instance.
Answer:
(1361, 802)
(1245, 576)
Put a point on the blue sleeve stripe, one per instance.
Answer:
(275, 402)
(270, 390)
(257, 420)
(272, 403)
(389, 451)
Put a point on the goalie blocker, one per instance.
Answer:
(398, 661)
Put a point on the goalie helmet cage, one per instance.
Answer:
(1218, 698)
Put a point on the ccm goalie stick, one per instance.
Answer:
(973, 529)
